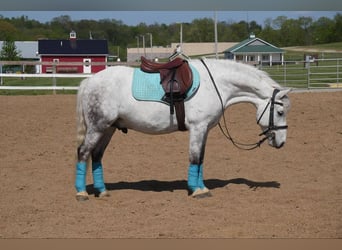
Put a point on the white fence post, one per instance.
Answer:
(1, 81)
(308, 74)
(54, 83)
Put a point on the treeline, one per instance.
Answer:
(281, 31)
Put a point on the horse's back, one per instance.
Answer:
(113, 81)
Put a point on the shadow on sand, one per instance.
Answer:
(162, 186)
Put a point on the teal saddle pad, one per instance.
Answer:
(147, 87)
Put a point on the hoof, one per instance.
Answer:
(201, 193)
(82, 196)
(104, 194)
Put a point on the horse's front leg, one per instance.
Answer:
(198, 138)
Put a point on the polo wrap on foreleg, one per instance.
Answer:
(195, 177)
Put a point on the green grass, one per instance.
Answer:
(297, 75)
(39, 81)
(324, 51)
(328, 46)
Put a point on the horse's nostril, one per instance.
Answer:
(281, 145)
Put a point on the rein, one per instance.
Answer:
(267, 133)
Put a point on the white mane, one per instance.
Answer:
(244, 73)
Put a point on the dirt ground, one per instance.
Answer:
(293, 192)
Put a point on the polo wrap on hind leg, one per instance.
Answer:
(81, 172)
(97, 170)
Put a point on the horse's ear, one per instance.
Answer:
(283, 92)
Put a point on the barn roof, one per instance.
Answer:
(73, 47)
(252, 45)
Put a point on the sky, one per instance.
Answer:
(133, 18)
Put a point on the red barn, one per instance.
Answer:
(73, 50)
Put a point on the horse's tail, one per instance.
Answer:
(81, 125)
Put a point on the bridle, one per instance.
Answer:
(267, 133)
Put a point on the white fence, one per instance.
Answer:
(321, 73)
(53, 75)
(317, 73)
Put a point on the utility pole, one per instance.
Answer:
(143, 37)
(215, 21)
(181, 35)
(150, 42)
(137, 37)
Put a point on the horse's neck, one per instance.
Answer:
(245, 90)
(245, 95)
(240, 83)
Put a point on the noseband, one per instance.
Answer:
(268, 131)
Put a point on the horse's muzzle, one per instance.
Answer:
(280, 145)
(273, 142)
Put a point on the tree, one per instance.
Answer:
(202, 30)
(7, 30)
(269, 34)
(323, 30)
(306, 25)
(337, 33)
(9, 51)
(255, 28)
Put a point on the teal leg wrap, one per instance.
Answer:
(195, 177)
(200, 182)
(81, 172)
(98, 176)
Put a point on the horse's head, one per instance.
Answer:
(271, 117)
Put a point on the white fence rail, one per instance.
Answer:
(53, 75)
(321, 73)
(318, 73)
(53, 86)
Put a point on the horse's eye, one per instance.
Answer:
(280, 113)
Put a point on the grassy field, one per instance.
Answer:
(39, 81)
(300, 75)
(324, 51)
(323, 47)
(326, 72)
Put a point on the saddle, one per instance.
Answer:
(176, 79)
(175, 76)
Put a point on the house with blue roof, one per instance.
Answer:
(255, 51)
(89, 56)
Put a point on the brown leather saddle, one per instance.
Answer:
(176, 79)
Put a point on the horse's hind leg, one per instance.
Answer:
(83, 154)
(97, 168)
(94, 144)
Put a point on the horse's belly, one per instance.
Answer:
(150, 119)
(147, 117)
